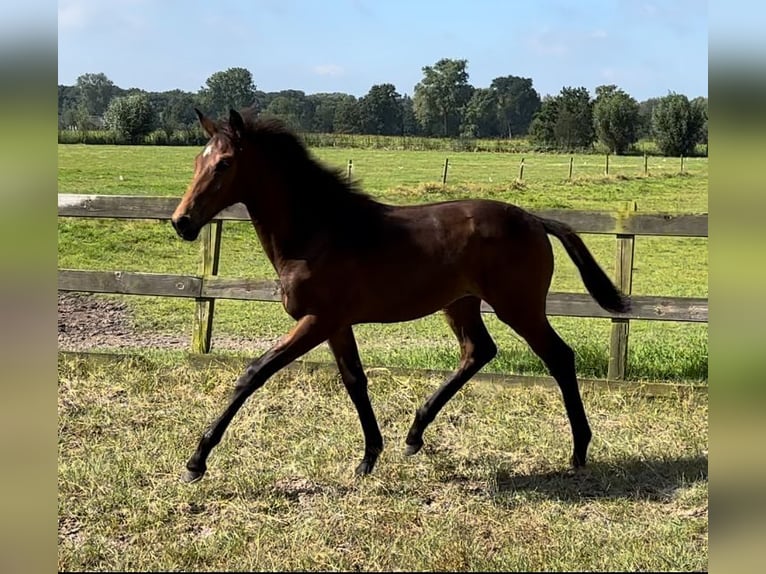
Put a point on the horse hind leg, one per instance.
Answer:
(477, 349)
(559, 358)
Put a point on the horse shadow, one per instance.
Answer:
(633, 479)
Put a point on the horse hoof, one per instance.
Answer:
(577, 462)
(192, 476)
(411, 449)
(364, 468)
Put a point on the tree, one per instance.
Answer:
(518, 103)
(409, 121)
(96, 91)
(701, 104)
(481, 114)
(73, 112)
(676, 125)
(574, 124)
(347, 118)
(542, 128)
(68, 100)
(78, 117)
(440, 96)
(325, 106)
(232, 88)
(645, 110)
(380, 111)
(293, 108)
(615, 116)
(174, 109)
(565, 122)
(130, 116)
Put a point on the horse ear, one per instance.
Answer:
(236, 122)
(207, 124)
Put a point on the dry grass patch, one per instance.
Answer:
(490, 490)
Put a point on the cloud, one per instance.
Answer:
(363, 8)
(332, 70)
(649, 9)
(72, 14)
(547, 43)
(561, 43)
(80, 14)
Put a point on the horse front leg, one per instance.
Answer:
(307, 334)
(343, 347)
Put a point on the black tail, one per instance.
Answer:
(596, 281)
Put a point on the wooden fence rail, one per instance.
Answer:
(207, 286)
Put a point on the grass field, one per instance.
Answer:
(488, 492)
(664, 266)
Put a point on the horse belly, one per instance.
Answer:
(406, 296)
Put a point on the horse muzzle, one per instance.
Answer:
(184, 227)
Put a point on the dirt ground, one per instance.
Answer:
(89, 322)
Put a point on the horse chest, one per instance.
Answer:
(302, 294)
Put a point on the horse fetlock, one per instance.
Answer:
(580, 454)
(578, 459)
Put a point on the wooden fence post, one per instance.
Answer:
(521, 170)
(349, 169)
(444, 175)
(606, 169)
(618, 345)
(571, 163)
(210, 250)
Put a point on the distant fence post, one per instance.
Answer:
(571, 164)
(606, 169)
(210, 250)
(646, 163)
(618, 346)
(444, 174)
(682, 163)
(521, 170)
(349, 168)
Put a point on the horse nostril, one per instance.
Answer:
(182, 223)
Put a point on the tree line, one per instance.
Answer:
(443, 104)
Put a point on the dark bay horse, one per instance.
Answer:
(343, 258)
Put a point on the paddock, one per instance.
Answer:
(490, 491)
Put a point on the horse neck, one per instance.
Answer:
(284, 225)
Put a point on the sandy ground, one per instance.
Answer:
(89, 322)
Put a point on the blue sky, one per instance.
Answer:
(646, 47)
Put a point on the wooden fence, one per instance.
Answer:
(206, 286)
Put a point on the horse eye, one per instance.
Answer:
(222, 165)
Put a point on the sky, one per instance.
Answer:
(646, 47)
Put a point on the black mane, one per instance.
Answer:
(277, 141)
(321, 197)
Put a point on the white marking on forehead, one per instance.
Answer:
(208, 151)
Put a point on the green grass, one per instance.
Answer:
(410, 176)
(489, 491)
(663, 266)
